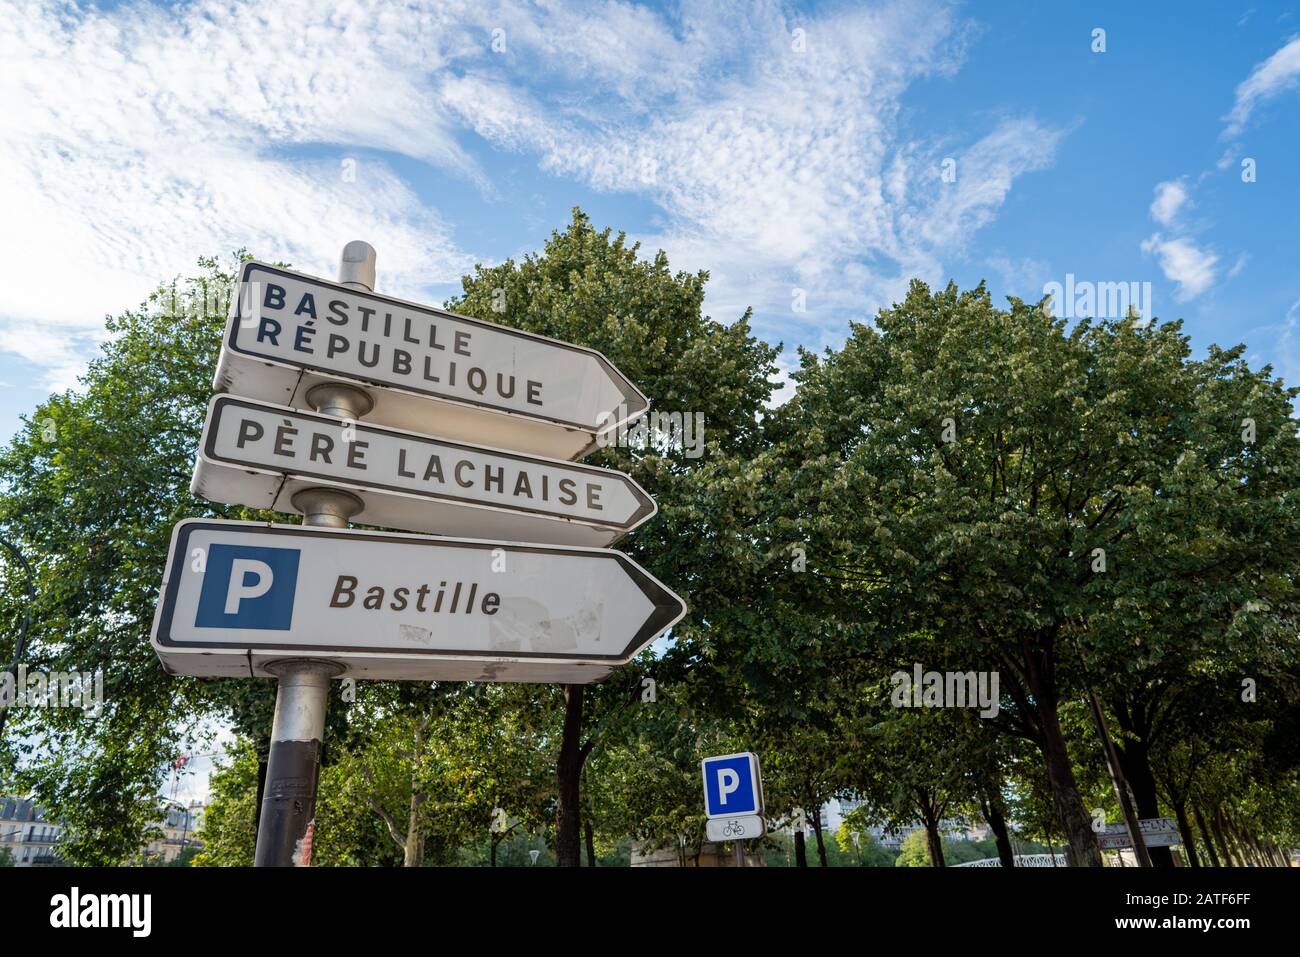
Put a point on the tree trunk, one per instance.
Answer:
(997, 823)
(800, 852)
(1216, 822)
(1135, 762)
(1234, 836)
(591, 841)
(568, 773)
(413, 852)
(1206, 838)
(934, 844)
(1248, 843)
(1189, 839)
(494, 843)
(1081, 842)
(821, 844)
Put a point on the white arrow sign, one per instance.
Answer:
(1156, 832)
(465, 378)
(262, 455)
(238, 595)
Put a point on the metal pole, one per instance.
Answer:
(740, 853)
(284, 831)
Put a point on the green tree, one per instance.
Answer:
(915, 851)
(860, 848)
(229, 830)
(997, 474)
(90, 488)
(592, 288)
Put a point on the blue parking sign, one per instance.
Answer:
(732, 785)
(247, 586)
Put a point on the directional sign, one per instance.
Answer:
(238, 595)
(744, 827)
(1156, 832)
(435, 371)
(732, 785)
(262, 455)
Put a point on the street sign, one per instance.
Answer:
(733, 785)
(1156, 832)
(240, 595)
(426, 369)
(744, 827)
(263, 455)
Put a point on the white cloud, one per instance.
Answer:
(1181, 259)
(141, 137)
(1171, 196)
(1278, 73)
(778, 169)
(1023, 278)
(1184, 263)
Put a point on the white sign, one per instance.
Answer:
(238, 595)
(1156, 832)
(262, 455)
(463, 378)
(746, 827)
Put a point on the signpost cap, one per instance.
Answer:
(327, 506)
(357, 265)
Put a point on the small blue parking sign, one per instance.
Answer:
(732, 785)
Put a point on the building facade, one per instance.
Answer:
(27, 833)
(179, 824)
(32, 839)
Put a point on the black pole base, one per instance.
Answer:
(288, 805)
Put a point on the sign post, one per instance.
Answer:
(529, 593)
(733, 799)
(284, 828)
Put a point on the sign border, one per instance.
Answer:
(208, 454)
(659, 595)
(755, 769)
(234, 320)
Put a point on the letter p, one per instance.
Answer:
(728, 783)
(239, 588)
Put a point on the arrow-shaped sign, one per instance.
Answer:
(238, 595)
(1156, 832)
(263, 455)
(425, 369)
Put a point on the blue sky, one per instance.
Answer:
(794, 150)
